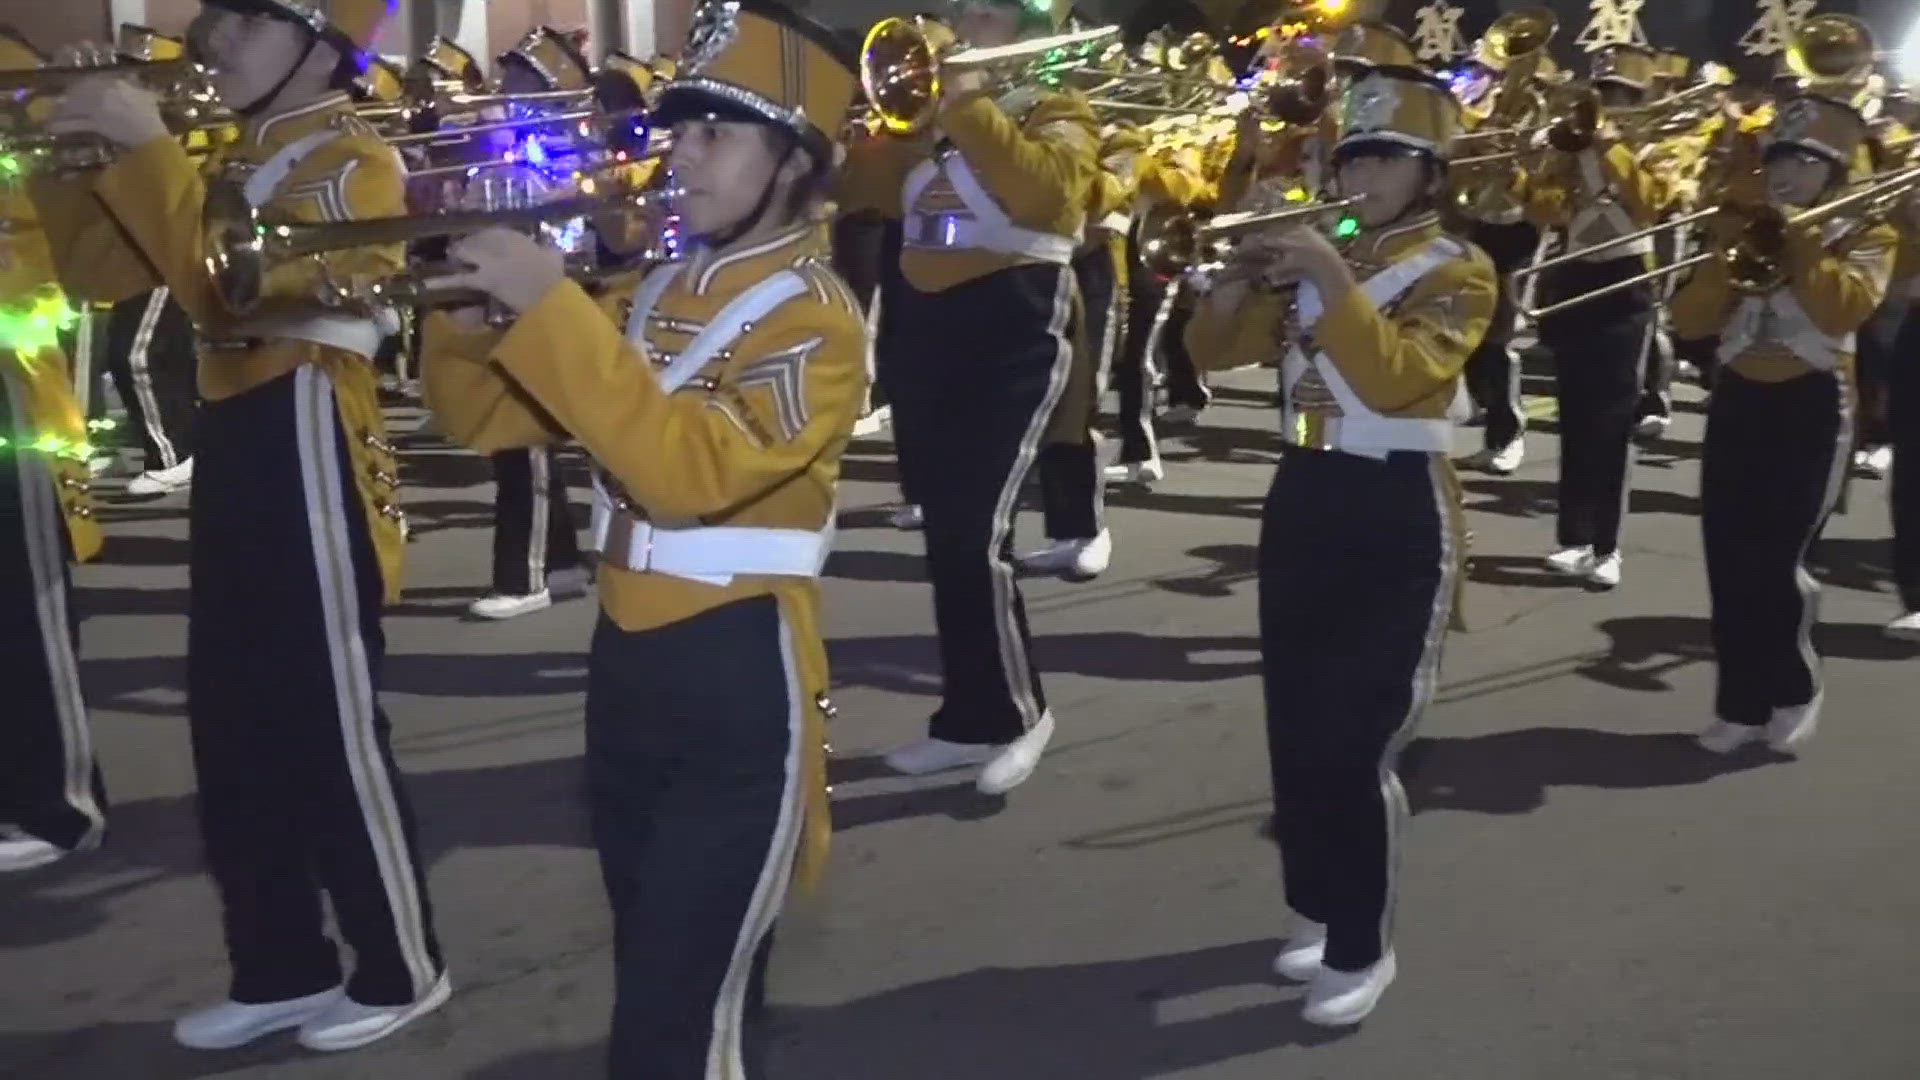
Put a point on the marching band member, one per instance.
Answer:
(296, 534)
(1596, 195)
(536, 553)
(1780, 426)
(1072, 481)
(716, 395)
(992, 207)
(1903, 398)
(1172, 181)
(51, 798)
(1363, 522)
(1498, 225)
(149, 344)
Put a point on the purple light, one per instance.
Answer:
(536, 152)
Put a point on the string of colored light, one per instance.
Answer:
(37, 326)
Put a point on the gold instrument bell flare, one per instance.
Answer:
(1515, 37)
(902, 61)
(1832, 48)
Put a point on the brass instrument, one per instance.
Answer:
(1574, 127)
(1832, 49)
(1297, 89)
(188, 104)
(1483, 183)
(902, 61)
(1756, 256)
(1174, 241)
(241, 249)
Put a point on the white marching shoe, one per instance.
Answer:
(1342, 998)
(1722, 737)
(908, 516)
(18, 851)
(162, 481)
(1017, 760)
(1792, 725)
(1135, 472)
(231, 1023)
(924, 756)
(498, 606)
(1501, 461)
(1906, 627)
(1301, 957)
(347, 1024)
(1652, 426)
(1076, 559)
(1605, 572)
(1573, 561)
(1874, 463)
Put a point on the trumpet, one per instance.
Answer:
(902, 61)
(241, 249)
(1176, 242)
(1755, 257)
(188, 105)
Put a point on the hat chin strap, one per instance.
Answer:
(751, 221)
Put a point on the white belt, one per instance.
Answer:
(938, 230)
(713, 551)
(1117, 222)
(356, 334)
(1374, 436)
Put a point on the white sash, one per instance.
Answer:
(1361, 429)
(709, 553)
(988, 228)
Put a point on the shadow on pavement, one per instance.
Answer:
(145, 1051)
(1114, 1020)
(1511, 772)
(1647, 648)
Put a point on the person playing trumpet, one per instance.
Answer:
(1780, 426)
(992, 200)
(296, 531)
(716, 395)
(1362, 526)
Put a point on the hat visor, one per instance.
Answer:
(679, 103)
(1393, 142)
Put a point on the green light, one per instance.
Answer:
(9, 165)
(1347, 229)
(28, 331)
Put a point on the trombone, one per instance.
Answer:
(241, 249)
(1755, 259)
(902, 61)
(1178, 242)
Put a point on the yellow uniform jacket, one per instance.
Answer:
(1403, 360)
(1838, 275)
(1005, 184)
(46, 419)
(1596, 195)
(139, 225)
(752, 441)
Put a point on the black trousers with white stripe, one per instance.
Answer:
(1775, 457)
(1493, 371)
(693, 770)
(150, 354)
(299, 794)
(1598, 349)
(49, 782)
(974, 396)
(533, 532)
(1147, 312)
(1354, 605)
(1072, 492)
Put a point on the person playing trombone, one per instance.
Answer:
(1593, 195)
(992, 194)
(1361, 542)
(1780, 426)
(296, 532)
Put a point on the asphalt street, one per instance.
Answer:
(1586, 894)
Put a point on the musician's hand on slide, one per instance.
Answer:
(112, 108)
(961, 83)
(509, 266)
